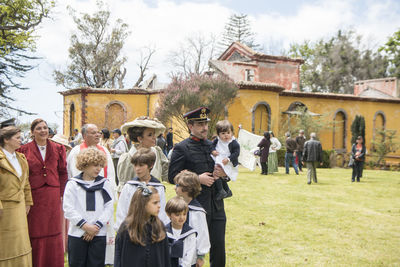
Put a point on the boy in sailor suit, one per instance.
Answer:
(181, 237)
(88, 205)
(187, 186)
(143, 161)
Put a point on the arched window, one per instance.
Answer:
(71, 119)
(379, 121)
(115, 115)
(339, 130)
(261, 118)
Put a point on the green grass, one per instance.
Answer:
(279, 220)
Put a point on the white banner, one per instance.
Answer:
(248, 144)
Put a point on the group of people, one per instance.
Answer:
(40, 183)
(300, 152)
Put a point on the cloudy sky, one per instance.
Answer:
(164, 24)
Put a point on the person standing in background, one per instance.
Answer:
(264, 145)
(118, 147)
(312, 155)
(358, 151)
(105, 139)
(300, 140)
(161, 143)
(170, 140)
(273, 157)
(290, 156)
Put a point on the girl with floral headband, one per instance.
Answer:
(141, 239)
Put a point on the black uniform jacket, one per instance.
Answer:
(195, 155)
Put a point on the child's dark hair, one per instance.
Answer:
(138, 218)
(144, 156)
(223, 126)
(176, 205)
(189, 182)
(90, 156)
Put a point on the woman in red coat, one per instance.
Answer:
(47, 176)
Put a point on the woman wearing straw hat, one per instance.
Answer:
(143, 131)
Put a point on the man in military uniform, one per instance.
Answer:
(193, 154)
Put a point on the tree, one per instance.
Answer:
(192, 56)
(334, 65)
(383, 144)
(392, 49)
(358, 128)
(18, 22)
(144, 64)
(185, 94)
(95, 52)
(304, 120)
(238, 29)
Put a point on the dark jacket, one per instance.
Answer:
(361, 157)
(170, 140)
(312, 151)
(195, 156)
(264, 147)
(291, 145)
(129, 254)
(300, 140)
(234, 148)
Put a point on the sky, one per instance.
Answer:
(164, 25)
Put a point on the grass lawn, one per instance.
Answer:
(279, 220)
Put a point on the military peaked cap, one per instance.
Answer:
(199, 114)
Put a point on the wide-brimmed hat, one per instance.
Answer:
(61, 139)
(145, 122)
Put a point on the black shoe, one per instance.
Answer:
(358, 180)
(352, 180)
(221, 194)
(308, 182)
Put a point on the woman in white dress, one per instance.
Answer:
(273, 157)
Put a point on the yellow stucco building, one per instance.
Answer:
(268, 91)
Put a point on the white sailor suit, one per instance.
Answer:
(87, 202)
(182, 244)
(196, 218)
(126, 196)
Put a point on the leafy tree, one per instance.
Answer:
(392, 49)
(238, 29)
(334, 65)
(95, 52)
(185, 94)
(358, 128)
(18, 22)
(192, 56)
(383, 144)
(306, 121)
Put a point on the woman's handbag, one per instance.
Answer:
(257, 152)
(351, 161)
